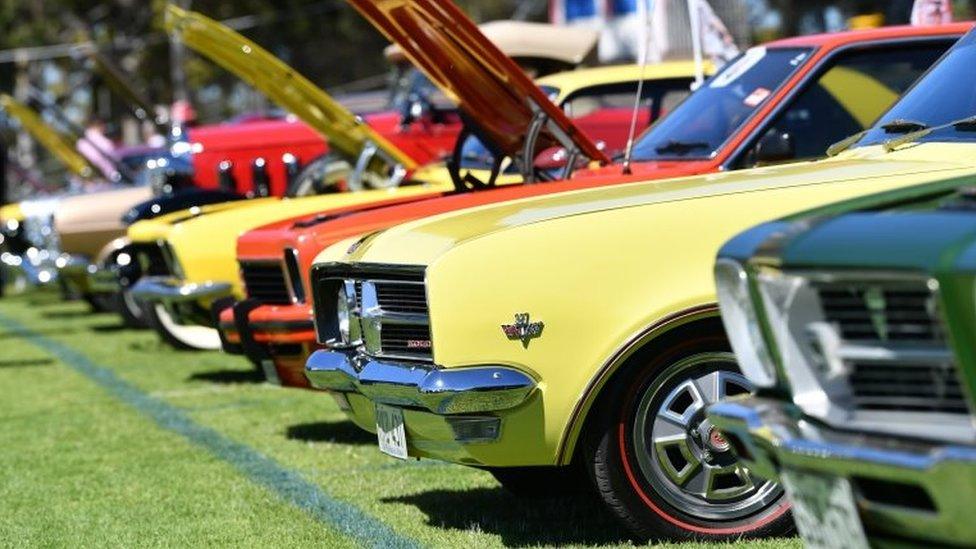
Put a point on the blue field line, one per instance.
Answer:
(260, 469)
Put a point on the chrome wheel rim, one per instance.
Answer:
(684, 458)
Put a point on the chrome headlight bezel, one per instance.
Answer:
(741, 321)
(344, 314)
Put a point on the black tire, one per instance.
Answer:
(99, 303)
(645, 503)
(543, 482)
(132, 312)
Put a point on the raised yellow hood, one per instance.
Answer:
(251, 63)
(60, 146)
(421, 242)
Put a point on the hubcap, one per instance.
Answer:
(682, 455)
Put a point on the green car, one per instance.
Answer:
(856, 323)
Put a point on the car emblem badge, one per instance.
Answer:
(874, 300)
(522, 329)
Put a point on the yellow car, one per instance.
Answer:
(547, 336)
(196, 267)
(189, 257)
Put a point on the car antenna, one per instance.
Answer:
(645, 38)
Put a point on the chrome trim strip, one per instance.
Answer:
(442, 391)
(167, 289)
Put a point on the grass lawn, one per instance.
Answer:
(108, 437)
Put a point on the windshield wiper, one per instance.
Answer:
(846, 143)
(963, 124)
(901, 125)
(680, 147)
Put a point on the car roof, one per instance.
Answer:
(837, 39)
(571, 81)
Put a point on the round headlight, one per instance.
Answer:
(343, 314)
(742, 324)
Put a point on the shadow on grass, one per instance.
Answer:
(109, 328)
(578, 520)
(26, 362)
(228, 376)
(66, 314)
(341, 432)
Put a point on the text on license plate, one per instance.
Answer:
(390, 431)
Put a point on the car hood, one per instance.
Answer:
(927, 228)
(158, 228)
(421, 242)
(97, 211)
(205, 246)
(475, 74)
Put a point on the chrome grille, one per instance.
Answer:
(891, 341)
(388, 315)
(402, 298)
(152, 258)
(907, 387)
(405, 339)
(266, 282)
(875, 313)
(394, 318)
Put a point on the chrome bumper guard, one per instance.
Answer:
(165, 289)
(442, 391)
(906, 490)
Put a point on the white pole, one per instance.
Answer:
(696, 41)
(644, 35)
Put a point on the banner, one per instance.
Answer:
(626, 25)
(931, 12)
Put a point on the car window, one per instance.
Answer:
(604, 113)
(947, 93)
(657, 96)
(847, 96)
(700, 126)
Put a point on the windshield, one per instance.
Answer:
(699, 127)
(410, 84)
(947, 93)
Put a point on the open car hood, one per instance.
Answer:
(253, 64)
(60, 146)
(487, 86)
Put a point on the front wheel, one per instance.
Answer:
(660, 465)
(181, 336)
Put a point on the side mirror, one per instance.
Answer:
(775, 146)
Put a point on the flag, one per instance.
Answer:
(931, 12)
(716, 41)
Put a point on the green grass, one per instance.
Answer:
(149, 446)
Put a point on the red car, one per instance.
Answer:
(758, 109)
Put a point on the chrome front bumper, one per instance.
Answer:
(441, 391)
(907, 491)
(164, 289)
